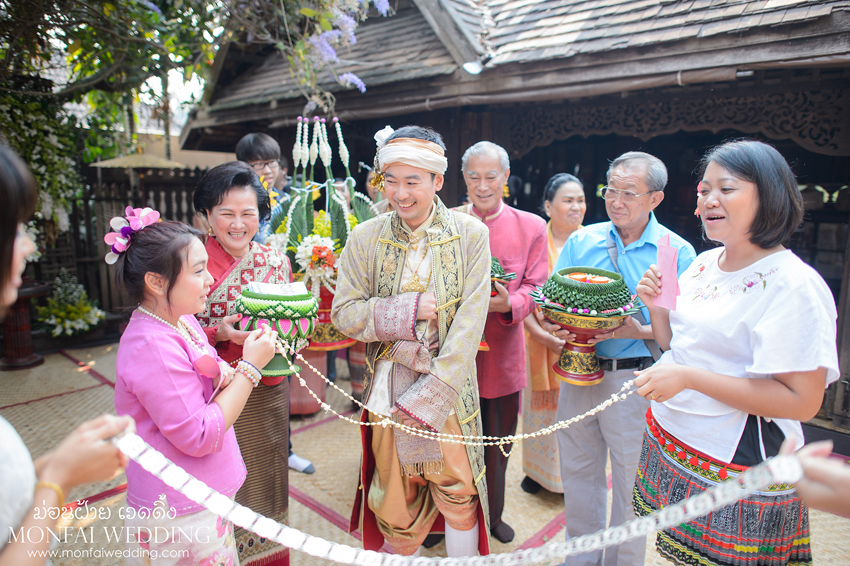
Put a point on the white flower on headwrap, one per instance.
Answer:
(381, 136)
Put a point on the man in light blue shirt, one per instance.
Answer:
(635, 188)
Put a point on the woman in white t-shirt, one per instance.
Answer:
(750, 348)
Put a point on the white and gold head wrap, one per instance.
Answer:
(410, 151)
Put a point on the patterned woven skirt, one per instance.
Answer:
(769, 528)
(262, 431)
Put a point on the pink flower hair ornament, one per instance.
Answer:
(135, 220)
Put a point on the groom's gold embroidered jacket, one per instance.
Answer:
(368, 306)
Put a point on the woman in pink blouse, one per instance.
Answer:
(183, 397)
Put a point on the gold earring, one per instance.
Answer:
(209, 231)
(506, 192)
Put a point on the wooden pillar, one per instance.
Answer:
(17, 330)
(838, 396)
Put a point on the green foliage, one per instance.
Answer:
(339, 226)
(68, 309)
(496, 269)
(362, 207)
(108, 46)
(101, 138)
(308, 215)
(115, 46)
(277, 219)
(298, 229)
(44, 135)
(99, 53)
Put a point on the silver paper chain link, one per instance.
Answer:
(777, 470)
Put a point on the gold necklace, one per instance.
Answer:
(415, 284)
(184, 330)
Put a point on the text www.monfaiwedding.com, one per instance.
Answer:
(107, 553)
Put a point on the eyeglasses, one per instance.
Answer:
(260, 165)
(625, 196)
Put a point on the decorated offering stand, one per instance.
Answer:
(313, 242)
(497, 274)
(289, 310)
(586, 301)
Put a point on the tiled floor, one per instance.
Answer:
(48, 401)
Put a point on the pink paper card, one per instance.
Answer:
(666, 262)
(207, 366)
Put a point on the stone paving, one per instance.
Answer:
(46, 402)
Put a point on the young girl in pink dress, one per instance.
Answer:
(183, 397)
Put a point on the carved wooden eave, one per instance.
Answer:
(815, 115)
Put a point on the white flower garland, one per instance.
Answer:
(305, 144)
(343, 149)
(325, 151)
(314, 146)
(296, 149)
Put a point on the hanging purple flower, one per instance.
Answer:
(350, 79)
(151, 6)
(346, 24)
(321, 49)
(383, 6)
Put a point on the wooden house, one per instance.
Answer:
(567, 85)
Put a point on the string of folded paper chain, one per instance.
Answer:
(777, 470)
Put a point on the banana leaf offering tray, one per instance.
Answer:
(586, 301)
(587, 291)
(289, 310)
(497, 272)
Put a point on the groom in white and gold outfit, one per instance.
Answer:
(414, 284)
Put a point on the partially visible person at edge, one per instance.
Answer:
(564, 204)
(518, 241)
(636, 182)
(165, 382)
(262, 153)
(750, 348)
(826, 479)
(29, 490)
(231, 197)
(422, 327)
